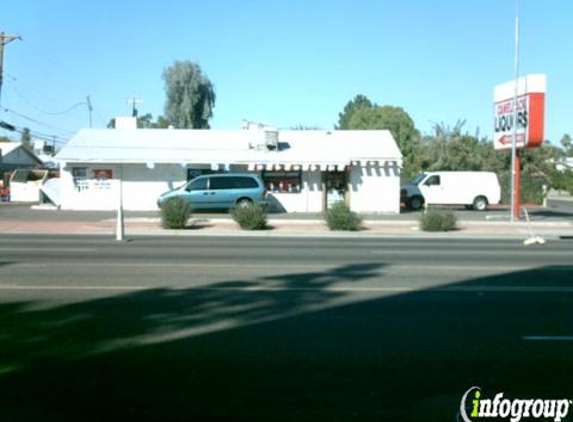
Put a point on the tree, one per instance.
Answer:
(190, 96)
(359, 102)
(567, 145)
(146, 122)
(400, 125)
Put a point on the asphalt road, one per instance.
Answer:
(256, 329)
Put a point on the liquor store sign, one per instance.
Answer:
(530, 115)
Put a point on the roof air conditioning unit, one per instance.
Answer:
(272, 139)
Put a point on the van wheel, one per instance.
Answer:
(415, 203)
(480, 203)
(244, 202)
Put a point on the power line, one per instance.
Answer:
(38, 122)
(41, 110)
(33, 133)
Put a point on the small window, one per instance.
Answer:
(80, 175)
(433, 181)
(198, 184)
(79, 172)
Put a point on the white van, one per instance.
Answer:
(474, 189)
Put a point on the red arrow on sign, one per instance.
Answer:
(506, 139)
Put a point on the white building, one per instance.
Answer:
(304, 171)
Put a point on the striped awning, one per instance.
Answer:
(325, 166)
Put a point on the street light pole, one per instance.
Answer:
(514, 157)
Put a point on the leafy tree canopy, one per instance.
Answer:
(359, 102)
(400, 125)
(567, 144)
(190, 96)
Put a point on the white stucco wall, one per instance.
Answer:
(141, 186)
(375, 189)
(371, 189)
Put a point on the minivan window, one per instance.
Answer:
(245, 183)
(197, 184)
(218, 183)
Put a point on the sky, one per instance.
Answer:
(284, 63)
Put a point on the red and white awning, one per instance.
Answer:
(324, 166)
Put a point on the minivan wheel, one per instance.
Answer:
(416, 203)
(480, 203)
(244, 202)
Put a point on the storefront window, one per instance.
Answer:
(283, 181)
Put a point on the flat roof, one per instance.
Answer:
(300, 147)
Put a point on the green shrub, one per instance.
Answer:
(340, 217)
(175, 213)
(531, 191)
(250, 216)
(438, 220)
(563, 180)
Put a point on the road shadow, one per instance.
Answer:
(292, 347)
(545, 214)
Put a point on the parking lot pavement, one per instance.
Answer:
(554, 221)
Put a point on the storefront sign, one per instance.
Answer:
(530, 113)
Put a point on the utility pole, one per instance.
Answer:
(133, 102)
(5, 39)
(90, 108)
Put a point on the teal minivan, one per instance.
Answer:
(219, 191)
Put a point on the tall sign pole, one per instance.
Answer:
(514, 158)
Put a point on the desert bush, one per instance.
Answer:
(438, 220)
(250, 216)
(340, 217)
(175, 213)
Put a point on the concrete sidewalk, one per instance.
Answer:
(225, 226)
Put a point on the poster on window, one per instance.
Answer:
(103, 174)
(103, 178)
(283, 181)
